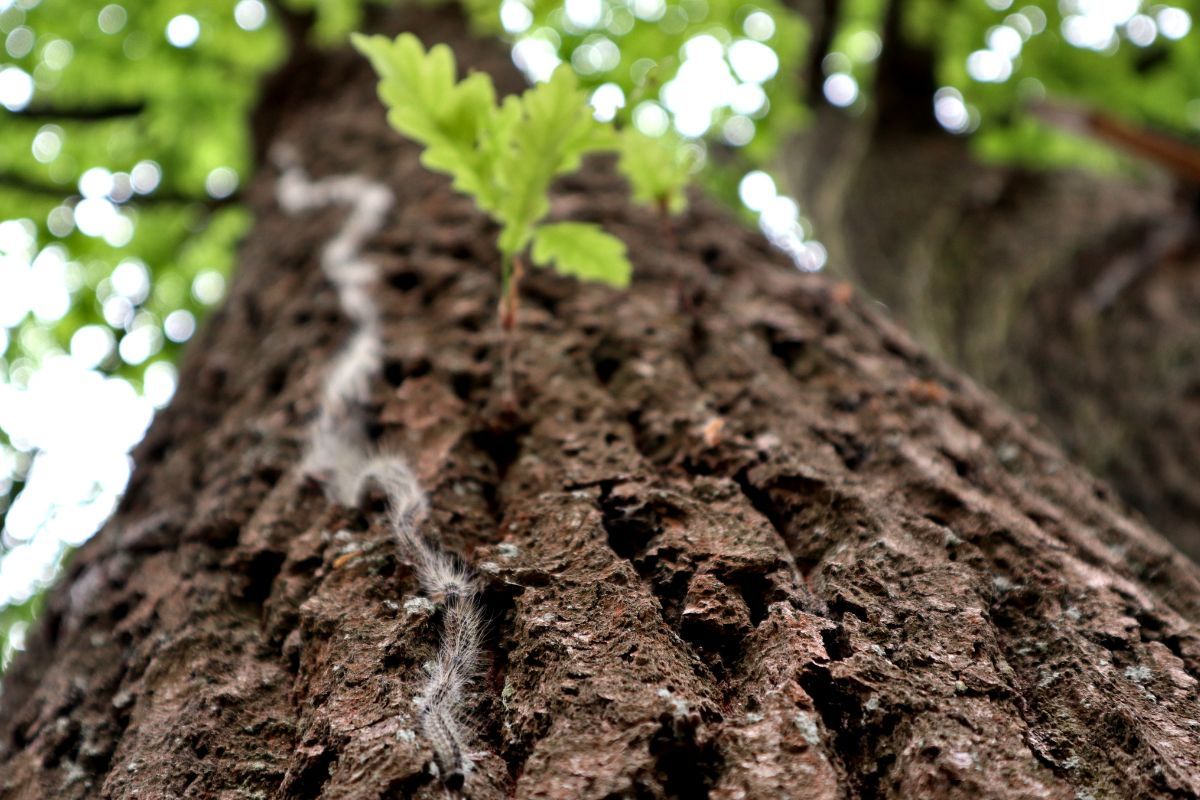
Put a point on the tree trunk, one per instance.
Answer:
(1072, 295)
(767, 550)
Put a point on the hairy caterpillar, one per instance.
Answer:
(341, 456)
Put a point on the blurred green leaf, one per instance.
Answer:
(583, 250)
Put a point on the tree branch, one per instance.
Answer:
(824, 22)
(904, 78)
(22, 184)
(82, 113)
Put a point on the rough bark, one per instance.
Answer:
(1070, 294)
(768, 549)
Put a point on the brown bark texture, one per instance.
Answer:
(1072, 295)
(756, 544)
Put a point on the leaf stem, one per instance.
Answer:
(511, 270)
(664, 218)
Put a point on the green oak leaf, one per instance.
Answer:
(583, 250)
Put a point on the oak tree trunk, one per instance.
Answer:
(753, 545)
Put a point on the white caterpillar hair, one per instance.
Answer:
(341, 457)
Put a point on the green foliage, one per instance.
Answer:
(181, 109)
(1068, 53)
(458, 123)
(642, 51)
(658, 169)
(553, 132)
(111, 92)
(583, 250)
(484, 16)
(641, 48)
(504, 156)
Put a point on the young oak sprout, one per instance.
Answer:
(504, 155)
(659, 169)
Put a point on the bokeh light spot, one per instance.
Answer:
(605, 101)
(753, 61)
(250, 15)
(47, 143)
(95, 182)
(584, 14)
(60, 221)
(19, 42)
(864, 46)
(146, 176)
(1174, 23)
(756, 189)
(515, 16)
(1005, 41)
(183, 30)
(536, 57)
(221, 183)
(1141, 30)
(91, 345)
(159, 382)
(649, 10)
(93, 215)
(841, 89)
(16, 88)
(748, 98)
(988, 66)
(140, 344)
(738, 130)
(117, 311)
(950, 110)
(112, 18)
(57, 54)
(759, 25)
(131, 280)
(179, 325)
(650, 118)
(119, 231)
(208, 287)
